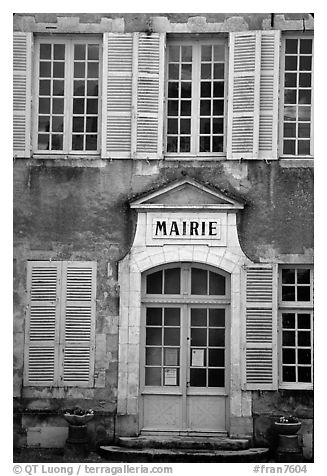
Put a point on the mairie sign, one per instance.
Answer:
(180, 228)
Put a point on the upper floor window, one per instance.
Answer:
(196, 101)
(67, 95)
(297, 79)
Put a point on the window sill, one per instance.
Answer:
(295, 162)
(297, 386)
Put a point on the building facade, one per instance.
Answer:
(163, 223)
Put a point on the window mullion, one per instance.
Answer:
(69, 97)
(196, 68)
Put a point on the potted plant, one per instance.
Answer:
(78, 416)
(287, 425)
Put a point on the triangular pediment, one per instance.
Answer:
(186, 194)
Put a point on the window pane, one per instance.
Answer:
(205, 126)
(44, 106)
(185, 144)
(154, 283)
(303, 276)
(289, 147)
(92, 106)
(57, 123)
(216, 284)
(59, 52)
(304, 374)
(304, 321)
(289, 374)
(172, 144)
(78, 142)
(305, 80)
(79, 70)
(44, 89)
(172, 108)
(219, 52)
(288, 293)
(45, 51)
(58, 88)
(172, 316)
(291, 46)
(217, 317)
(205, 89)
(216, 357)
(171, 336)
(204, 144)
(92, 88)
(44, 123)
(205, 107)
(216, 378)
(93, 52)
(153, 356)
(289, 338)
(56, 142)
(198, 317)
(79, 88)
(304, 147)
(57, 106)
(153, 336)
(78, 124)
(304, 338)
(91, 142)
(219, 71)
(174, 52)
(304, 130)
(59, 70)
(173, 89)
(206, 53)
(92, 124)
(290, 96)
(288, 356)
(198, 378)
(186, 54)
(172, 281)
(305, 63)
(217, 144)
(92, 70)
(218, 89)
(290, 79)
(198, 337)
(186, 71)
(218, 107)
(171, 356)
(185, 108)
(216, 337)
(78, 106)
(153, 376)
(153, 316)
(304, 96)
(186, 90)
(206, 71)
(199, 281)
(303, 293)
(304, 356)
(43, 141)
(185, 126)
(218, 126)
(306, 46)
(290, 63)
(288, 320)
(79, 52)
(289, 129)
(173, 71)
(45, 69)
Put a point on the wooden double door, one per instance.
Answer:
(185, 342)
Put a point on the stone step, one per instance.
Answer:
(184, 442)
(121, 454)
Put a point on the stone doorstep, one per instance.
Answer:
(122, 455)
(184, 442)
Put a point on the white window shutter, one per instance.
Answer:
(77, 341)
(149, 93)
(117, 95)
(253, 95)
(42, 323)
(22, 52)
(260, 369)
(269, 78)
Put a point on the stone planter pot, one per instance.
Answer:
(287, 428)
(78, 420)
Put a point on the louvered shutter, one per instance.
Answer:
(260, 329)
(42, 324)
(117, 95)
(78, 323)
(269, 76)
(149, 84)
(253, 95)
(22, 50)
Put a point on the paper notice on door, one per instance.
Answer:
(170, 376)
(197, 358)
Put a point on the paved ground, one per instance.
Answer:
(28, 455)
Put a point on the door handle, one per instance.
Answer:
(187, 384)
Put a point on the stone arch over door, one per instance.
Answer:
(141, 259)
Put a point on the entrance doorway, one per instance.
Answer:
(184, 349)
